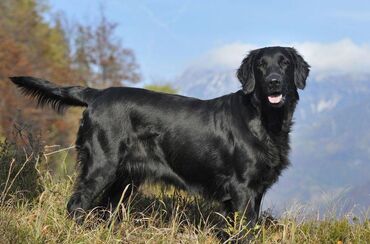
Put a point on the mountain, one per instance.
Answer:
(207, 83)
(330, 139)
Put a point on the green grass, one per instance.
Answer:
(153, 215)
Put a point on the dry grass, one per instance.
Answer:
(167, 216)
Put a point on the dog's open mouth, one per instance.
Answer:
(275, 98)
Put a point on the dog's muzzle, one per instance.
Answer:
(274, 86)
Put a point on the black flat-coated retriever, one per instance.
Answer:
(231, 148)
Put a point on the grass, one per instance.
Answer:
(155, 215)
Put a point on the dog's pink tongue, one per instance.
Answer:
(275, 99)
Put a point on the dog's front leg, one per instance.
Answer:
(242, 213)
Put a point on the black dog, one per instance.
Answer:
(231, 148)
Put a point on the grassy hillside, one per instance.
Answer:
(152, 216)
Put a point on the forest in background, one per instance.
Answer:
(60, 51)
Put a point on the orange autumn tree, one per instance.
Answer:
(29, 45)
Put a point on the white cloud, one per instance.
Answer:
(343, 57)
(227, 56)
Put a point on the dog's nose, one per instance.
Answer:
(274, 80)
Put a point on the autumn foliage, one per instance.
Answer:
(30, 45)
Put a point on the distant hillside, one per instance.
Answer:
(330, 139)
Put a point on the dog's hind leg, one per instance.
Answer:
(89, 186)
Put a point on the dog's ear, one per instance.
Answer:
(301, 69)
(245, 73)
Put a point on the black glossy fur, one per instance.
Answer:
(231, 148)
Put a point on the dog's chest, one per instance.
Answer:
(271, 154)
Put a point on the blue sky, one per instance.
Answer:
(168, 36)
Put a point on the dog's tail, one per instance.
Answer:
(57, 97)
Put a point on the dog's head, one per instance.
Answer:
(274, 74)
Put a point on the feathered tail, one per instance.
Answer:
(57, 97)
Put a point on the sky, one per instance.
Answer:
(169, 36)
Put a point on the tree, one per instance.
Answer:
(31, 46)
(101, 57)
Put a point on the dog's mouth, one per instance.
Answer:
(275, 98)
